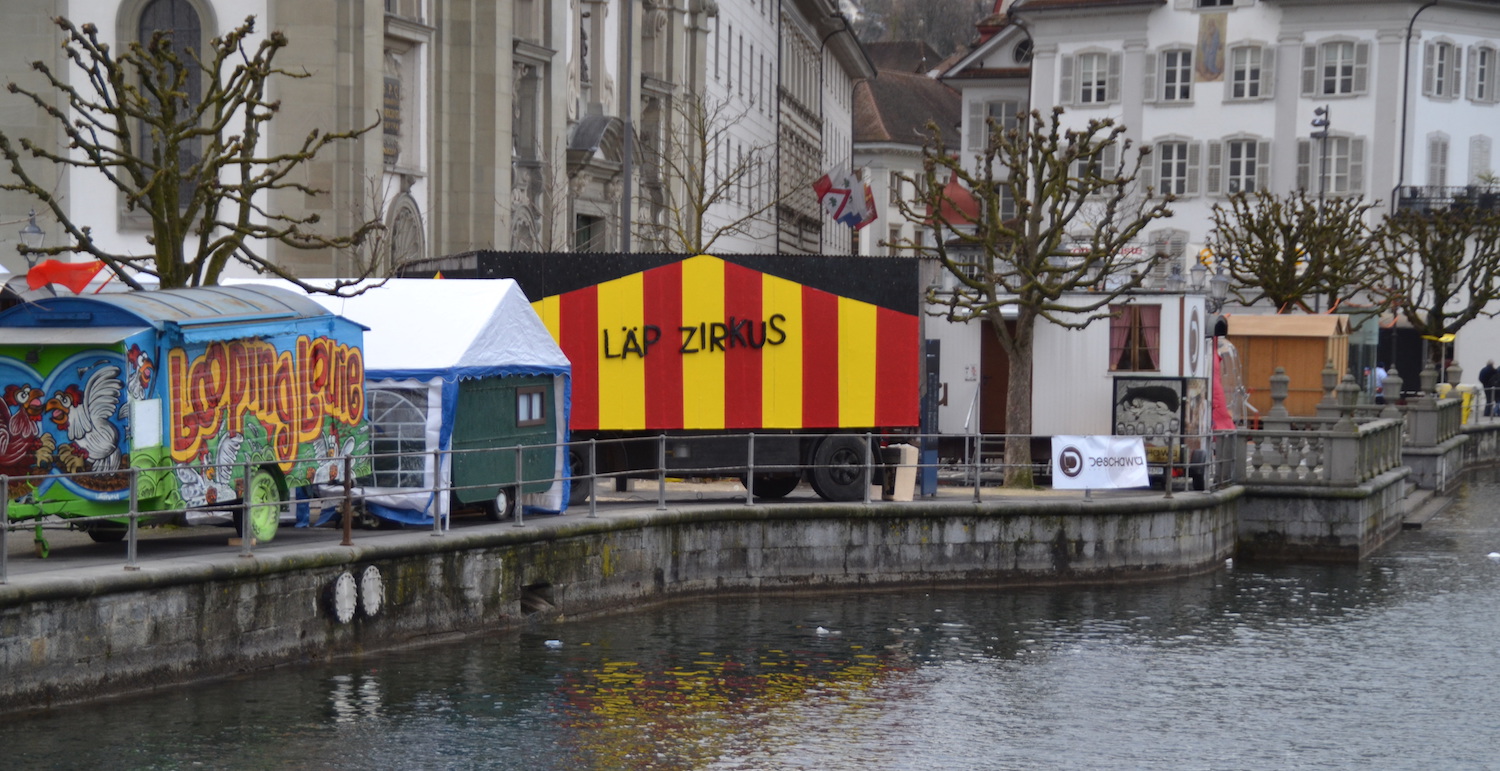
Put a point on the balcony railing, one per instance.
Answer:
(1426, 198)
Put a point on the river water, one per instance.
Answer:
(1392, 664)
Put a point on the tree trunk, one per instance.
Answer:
(1018, 408)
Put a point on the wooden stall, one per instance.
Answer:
(1301, 344)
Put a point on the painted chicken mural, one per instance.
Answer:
(23, 446)
(93, 441)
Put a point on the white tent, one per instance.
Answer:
(430, 334)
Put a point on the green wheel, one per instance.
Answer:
(263, 505)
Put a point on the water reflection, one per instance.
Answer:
(1385, 665)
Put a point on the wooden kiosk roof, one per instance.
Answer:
(1322, 325)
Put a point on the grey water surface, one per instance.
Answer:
(1392, 664)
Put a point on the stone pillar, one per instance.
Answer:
(1278, 419)
(1393, 386)
(1328, 407)
(1348, 392)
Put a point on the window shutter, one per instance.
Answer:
(1356, 166)
(1263, 165)
(1195, 153)
(1309, 70)
(1069, 94)
(1428, 53)
(1479, 157)
(976, 125)
(1147, 175)
(1151, 76)
(1469, 85)
(1215, 167)
(1267, 72)
(1109, 159)
(1112, 82)
(1361, 67)
(1456, 82)
(1304, 164)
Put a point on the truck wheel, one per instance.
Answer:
(838, 472)
(774, 486)
(578, 487)
(107, 533)
(504, 505)
(262, 504)
(1198, 471)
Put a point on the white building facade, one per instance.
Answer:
(1226, 94)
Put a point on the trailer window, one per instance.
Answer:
(398, 436)
(531, 406)
(1134, 337)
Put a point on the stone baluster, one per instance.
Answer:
(1393, 386)
(1278, 419)
(1428, 378)
(1328, 406)
(1348, 395)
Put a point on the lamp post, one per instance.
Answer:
(32, 237)
(1217, 286)
(1320, 124)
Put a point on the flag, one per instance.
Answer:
(870, 214)
(73, 275)
(845, 198)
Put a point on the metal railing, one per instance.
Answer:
(976, 465)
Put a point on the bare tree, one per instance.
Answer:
(179, 136)
(1290, 249)
(697, 185)
(1043, 264)
(1440, 269)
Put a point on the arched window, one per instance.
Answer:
(180, 19)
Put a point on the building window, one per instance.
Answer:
(1239, 165)
(1249, 70)
(1482, 74)
(1134, 337)
(1177, 168)
(1338, 68)
(398, 443)
(1441, 71)
(1091, 78)
(1215, 3)
(588, 233)
(180, 19)
(1004, 114)
(531, 406)
(1103, 164)
(1437, 160)
(1176, 76)
(1340, 172)
(1242, 162)
(1479, 160)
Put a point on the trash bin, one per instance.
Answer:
(900, 477)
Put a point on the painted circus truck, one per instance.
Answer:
(681, 360)
(213, 400)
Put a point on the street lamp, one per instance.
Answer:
(1320, 124)
(32, 237)
(1176, 282)
(1218, 290)
(1218, 286)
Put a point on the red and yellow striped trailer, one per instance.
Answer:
(809, 353)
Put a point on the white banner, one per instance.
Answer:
(1098, 462)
